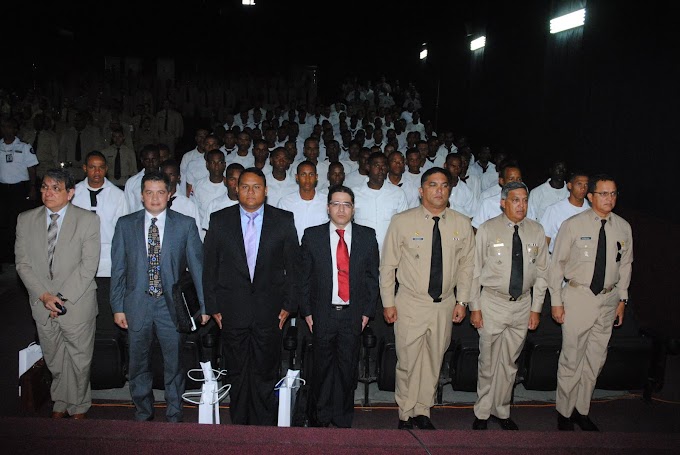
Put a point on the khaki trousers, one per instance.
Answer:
(67, 350)
(587, 327)
(422, 336)
(500, 343)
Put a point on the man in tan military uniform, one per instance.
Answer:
(511, 258)
(122, 159)
(598, 274)
(422, 323)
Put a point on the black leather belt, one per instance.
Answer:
(340, 307)
(437, 300)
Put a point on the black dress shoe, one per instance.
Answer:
(507, 424)
(583, 421)
(423, 422)
(564, 423)
(479, 424)
(406, 424)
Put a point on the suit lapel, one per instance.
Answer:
(355, 255)
(326, 256)
(168, 241)
(235, 227)
(139, 241)
(66, 232)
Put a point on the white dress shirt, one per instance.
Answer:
(185, 206)
(375, 208)
(276, 189)
(215, 205)
(335, 239)
(160, 222)
(245, 161)
(543, 196)
(555, 214)
(133, 192)
(306, 213)
(205, 191)
(111, 205)
(490, 207)
(188, 157)
(462, 200)
(409, 188)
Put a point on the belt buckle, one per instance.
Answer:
(512, 299)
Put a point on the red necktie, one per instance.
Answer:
(343, 266)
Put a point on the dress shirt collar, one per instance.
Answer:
(160, 218)
(348, 229)
(427, 214)
(61, 212)
(245, 212)
(510, 224)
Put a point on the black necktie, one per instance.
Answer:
(35, 141)
(93, 197)
(116, 165)
(166, 120)
(435, 288)
(79, 153)
(517, 272)
(170, 201)
(597, 284)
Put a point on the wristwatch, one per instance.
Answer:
(625, 301)
(463, 304)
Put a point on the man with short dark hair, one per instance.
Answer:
(511, 265)
(339, 287)
(151, 249)
(489, 202)
(307, 205)
(431, 249)
(121, 157)
(594, 253)
(151, 159)
(555, 214)
(207, 189)
(230, 198)
(57, 253)
(462, 199)
(551, 191)
(251, 252)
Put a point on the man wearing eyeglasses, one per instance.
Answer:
(593, 254)
(57, 253)
(339, 284)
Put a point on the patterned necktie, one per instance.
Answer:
(154, 270)
(342, 257)
(250, 242)
(93, 197)
(79, 152)
(597, 283)
(52, 240)
(116, 165)
(517, 271)
(435, 287)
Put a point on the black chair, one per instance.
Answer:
(464, 356)
(542, 352)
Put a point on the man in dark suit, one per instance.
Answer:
(57, 253)
(150, 249)
(339, 287)
(251, 251)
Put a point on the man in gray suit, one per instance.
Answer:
(150, 249)
(57, 255)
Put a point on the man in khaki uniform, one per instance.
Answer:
(511, 258)
(432, 250)
(170, 126)
(122, 159)
(594, 253)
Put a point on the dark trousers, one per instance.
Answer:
(14, 198)
(140, 371)
(252, 357)
(336, 358)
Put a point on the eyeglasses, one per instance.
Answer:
(604, 194)
(55, 189)
(344, 205)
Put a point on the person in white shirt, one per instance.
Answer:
(311, 153)
(377, 201)
(429, 156)
(336, 176)
(229, 147)
(484, 168)
(197, 170)
(97, 194)
(230, 198)
(211, 187)
(360, 176)
(261, 156)
(191, 155)
(307, 205)
(548, 193)
(279, 181)
(490, 205)
(472, 181)
(242, 155)
(555, 214)
(447, 146)
(414, 162)
(396, 167)
(151, 159)
(179, 202)
(122, 158)
(416, 125)
(461, 199)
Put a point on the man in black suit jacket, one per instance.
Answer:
(337, 303)
(251, 250)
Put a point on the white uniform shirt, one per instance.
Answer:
(216, 204)
(555, 214)
(543, 196)
(185, 206)
(15, 159)
(438, 161)
(375, 208)
(462, 200)
(443, 151)
(354, 180)
(490, 207)
(111, 205)
(410, 190)
(306, 213)
(133, 192)
(188, 157)
(245, 161)
(277, 189)
(205, 191)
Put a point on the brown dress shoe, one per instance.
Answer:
(78, 416)
(58, 415)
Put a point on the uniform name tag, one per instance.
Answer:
(9, 158)
(418, 238)
(497, 245)
(18, 151)
(586, 238)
